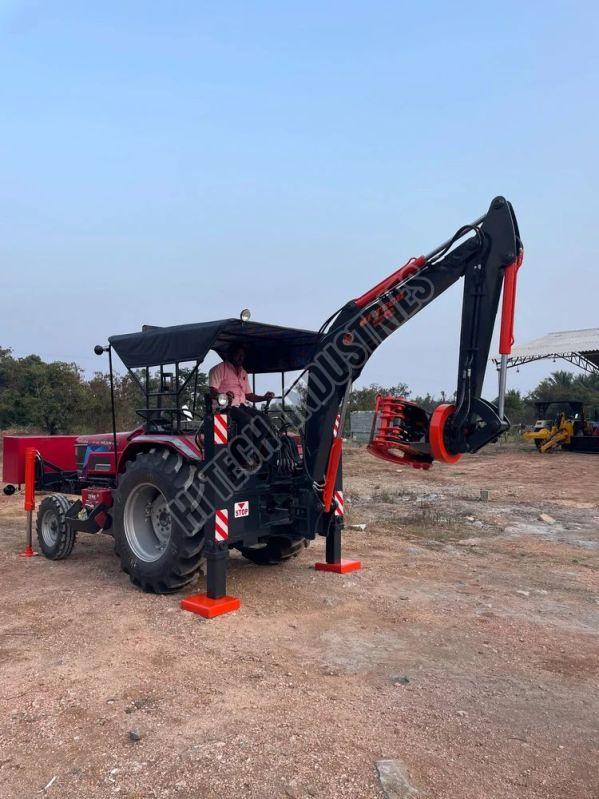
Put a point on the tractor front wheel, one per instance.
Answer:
(156, 539)
(54, 533)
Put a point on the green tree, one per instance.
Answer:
(559, 385)
(363, 399)
(59, 397)
(94, 415)
(562, 385)
(34, 393)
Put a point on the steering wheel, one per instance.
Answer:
(266, 406)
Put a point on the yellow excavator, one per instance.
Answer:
(548, 438)
(569, 430)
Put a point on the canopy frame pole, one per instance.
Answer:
(177, 400)
(195, 373)
(113, 417)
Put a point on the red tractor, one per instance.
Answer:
(190, 482)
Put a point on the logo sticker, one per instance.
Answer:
(242, 509)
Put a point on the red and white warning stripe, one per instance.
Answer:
(339, 503)
(221, 428)
(336, 425)
(221, 524)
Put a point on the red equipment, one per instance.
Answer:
(508, 306)
(209, 608)
(30, 458)
(410, 268)
(399, 432)
(439, 418)
(58, 450)
(331, 475)
(344, 566)
(193, 481)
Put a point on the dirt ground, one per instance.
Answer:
(467, 648)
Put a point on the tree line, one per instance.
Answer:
(559, 386)
(57, 397)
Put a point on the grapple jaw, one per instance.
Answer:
(400, 433)
(404, 433)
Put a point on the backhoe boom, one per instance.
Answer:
(361, 325)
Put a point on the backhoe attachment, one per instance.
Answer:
(487, 253)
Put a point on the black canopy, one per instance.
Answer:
(268, 348)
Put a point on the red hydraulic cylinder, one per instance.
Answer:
(30, 458)
(412, 266)
(331, 475)
(506, 335)
(508, 307)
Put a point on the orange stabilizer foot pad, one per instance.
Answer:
(28, 553)
(204, 606)
(343, 567)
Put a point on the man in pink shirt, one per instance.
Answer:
(230, 378)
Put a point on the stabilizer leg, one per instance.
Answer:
(215, 601)
(334, 562)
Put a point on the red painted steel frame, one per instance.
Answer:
(59, 450)
(386, 436)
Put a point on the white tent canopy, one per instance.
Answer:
(579, 347)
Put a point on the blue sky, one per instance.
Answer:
(172, 162)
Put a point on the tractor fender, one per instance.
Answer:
(182, 445)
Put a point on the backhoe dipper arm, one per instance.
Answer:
(492, 249)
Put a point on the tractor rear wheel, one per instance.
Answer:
(158, 545)
(55, 535)
(277, 550)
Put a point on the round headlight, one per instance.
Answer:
(222, 400)
(245, 315)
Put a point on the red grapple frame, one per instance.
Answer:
(398, 429)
